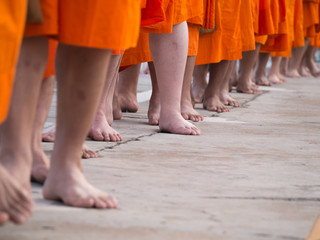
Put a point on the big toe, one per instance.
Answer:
(114, 137)
(4, 217)
(185, 116)
(80, 202)
(96, 135)
(18, 216)
(195, 131)
(110, 201)
(153, 121)
(89, 154)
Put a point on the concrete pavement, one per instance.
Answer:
(253, 174)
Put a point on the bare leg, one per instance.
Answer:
(154, 104)
(260, 75)
(212, 94)
(199, 82)
(40, 162)
(246, 65)
(116, 109)
(274, 75)
(101, 129)
(284, 66)
(225, 96)
(277, 65)
(16, 133)
(311, 65)
(233, 81)
(169, 53)
(295, 61)
(81, 76)
(303, 69)
(187, 109)
(127, 88)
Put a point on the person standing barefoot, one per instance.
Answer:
(218, 48)
(169, 54)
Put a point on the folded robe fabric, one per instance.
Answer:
(310, 18)
(53, 44)
(225, 42)
(209, 15)
(279, 40)
(152, 13)
(247, 25)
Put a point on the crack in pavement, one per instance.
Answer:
(289, 199)
(245, 103)
(141, 116)
(127, 141)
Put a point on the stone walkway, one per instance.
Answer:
(253, 174)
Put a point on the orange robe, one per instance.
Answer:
(96, 23)
(278, 40)
(288, 32)
(298, 36)
(266, 21)
(12, 21)
(311, 20)
(262, 18)
(225, 42)
(53, 44)
(175, 12)
(247, 25)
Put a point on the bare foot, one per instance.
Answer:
(101, 130)
(69, 186)
(255, 87)
(154, 110)
(316, 74)
(175, 123)
(49, 134)
(304, 72)
(15, 201)
(233, 83)
(248, 87)
(128, 103)
(226, 99)
(293, 74)
(282, 78)
(15, 188)
(274, 79)
(213, 103)
(262, 81)
(314, 69)
(189, 113)
(40, 165)
(197, 91)
(88, 152)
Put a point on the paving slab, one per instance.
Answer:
(253, 174)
